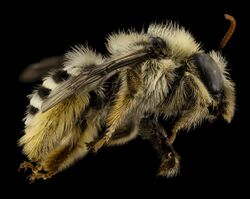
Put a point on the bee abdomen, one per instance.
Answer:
(60, 76)
(45, 131)
(32, 110)
(39, 95)
(75, 61)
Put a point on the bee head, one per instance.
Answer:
(212, 72)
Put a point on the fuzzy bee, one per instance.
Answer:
(88, 101)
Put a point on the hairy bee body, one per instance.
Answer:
(128, 103)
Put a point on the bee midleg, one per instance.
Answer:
(123, 105)
(126, 132)
(153, 131)
(66, 154)
(228, 101)
(198, 104)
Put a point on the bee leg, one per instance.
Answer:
(65, 155)
(124, 103)
(126, 132)
(35, 176)
(50, 164)
(170, 161)
(115, 136)
(173, 136)
(198, 107)
(122, 135)
(133, 83)
(191, 118)
(185, 121)
(228, 101)
(28, 165)
(96, 145)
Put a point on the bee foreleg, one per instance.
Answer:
(228, 101)
(198, 106)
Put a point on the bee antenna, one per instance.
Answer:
(230, 31)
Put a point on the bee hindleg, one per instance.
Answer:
(35, 176)
(65, 155)
(50, 164)
(154, 132)
(28, 165)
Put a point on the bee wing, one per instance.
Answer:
(88, 80)
(40, 69)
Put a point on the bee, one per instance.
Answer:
(88, 101)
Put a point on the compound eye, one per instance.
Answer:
(210, 73)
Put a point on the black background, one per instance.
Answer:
(213, 160)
